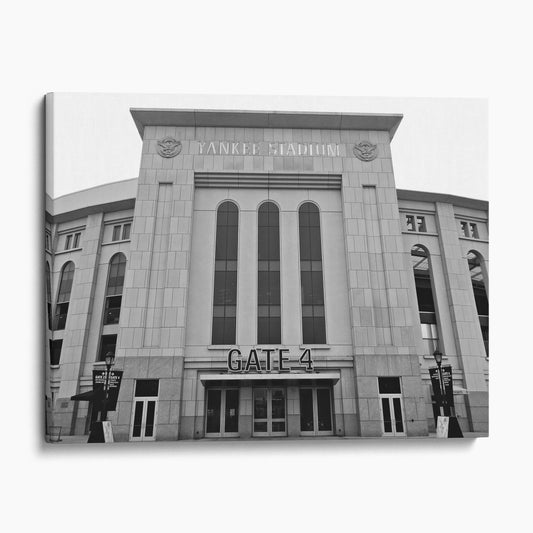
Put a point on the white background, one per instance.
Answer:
(401, 49)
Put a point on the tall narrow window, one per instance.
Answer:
(63, 297)
(424, 295)
(115, 284)
(225, 292)
(48, 297)
(55, 351)
(480, 296)
(268, 287)
(313, 316)
(108, 345)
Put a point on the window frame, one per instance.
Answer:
(273, 315)
(307, 267)
(72, 240)
(66, 302)
(426, 317)
(415, 223)
(121, 260)
(53, 343)
(225, 274)
(122, 229)
(483, 319)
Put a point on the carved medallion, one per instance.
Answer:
(168, 147)
(365, 151)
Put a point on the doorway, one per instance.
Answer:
(144, 412)
(270, 413)
(315, 411)
(390, 399)
(222, 416)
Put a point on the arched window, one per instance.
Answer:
(63, 297)
(480, 296)
(48, 297)
(225, 291)
(313, 315)
(115, 284)
(424, 295)
(268, 285)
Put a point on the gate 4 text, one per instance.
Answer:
(272, 359)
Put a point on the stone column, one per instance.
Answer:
(382, 325)
(465, 322)
(74, 349)
(152, 338)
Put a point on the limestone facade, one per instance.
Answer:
(191, 163)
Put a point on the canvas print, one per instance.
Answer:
(233, 274)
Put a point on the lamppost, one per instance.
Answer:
(442, 400)
(109, 360)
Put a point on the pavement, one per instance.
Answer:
(82, 439)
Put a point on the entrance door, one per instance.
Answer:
(144, 415)
(144, 412)
(391, 409)
(390, 398)
(222, 417)
(269, 413)
(315, 411)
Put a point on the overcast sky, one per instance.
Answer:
(440, 146)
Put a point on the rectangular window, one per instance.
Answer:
(72, 241)
(108, 344)
(116, 233)
(47, 240)
(416, 223)
(121, 232)
(430, 337)
(464, 229)
(112, 309)
(126, 232)
(421, 224)
(55, 351)
(60, 317)
(473, 231)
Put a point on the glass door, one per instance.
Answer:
(392, 416)
(315, 411)
(144, 416)
(222, 414)
(269, 412)
(390, 399)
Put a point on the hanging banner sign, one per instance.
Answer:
(447, 384)
(115, 378)
(268, 360)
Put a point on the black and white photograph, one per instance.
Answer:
(262, 275)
